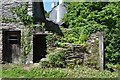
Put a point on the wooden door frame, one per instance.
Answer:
(7, 51)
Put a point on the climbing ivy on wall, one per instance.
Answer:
(21, 11)
(26, 42)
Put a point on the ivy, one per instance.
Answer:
(21, 12)
(26, 42)
(85, 18)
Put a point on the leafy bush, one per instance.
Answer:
(44, 63)
(53, 60)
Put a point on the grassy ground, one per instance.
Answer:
(32, 71)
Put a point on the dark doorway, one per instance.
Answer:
(11, 46)
(39, 47)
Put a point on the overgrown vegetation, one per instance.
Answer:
(21, 12)
(20, 71)
(55, 59)
(26, 43)
(82, 19)
(85, 18)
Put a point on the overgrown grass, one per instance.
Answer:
(18, 71)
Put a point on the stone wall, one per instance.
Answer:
(14, 26)
(5, 11)
(8, 26)
(77, 54)
(74, 54)
(92, 58)
(7, 6)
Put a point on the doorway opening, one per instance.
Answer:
(11, 45)
(39, 47)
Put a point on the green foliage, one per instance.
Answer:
(48, 73)
(40, 28)
(85, 18)
(59, 44)
(33, 73)
(26, 42)
(57, 59)
(21, 12)
(54, 60)
(112, 67)
(76, 72)
(49, 41)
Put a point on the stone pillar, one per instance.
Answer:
(101, 51)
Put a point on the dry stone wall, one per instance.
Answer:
(89, 55)
(77, 54)
(74, 54)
